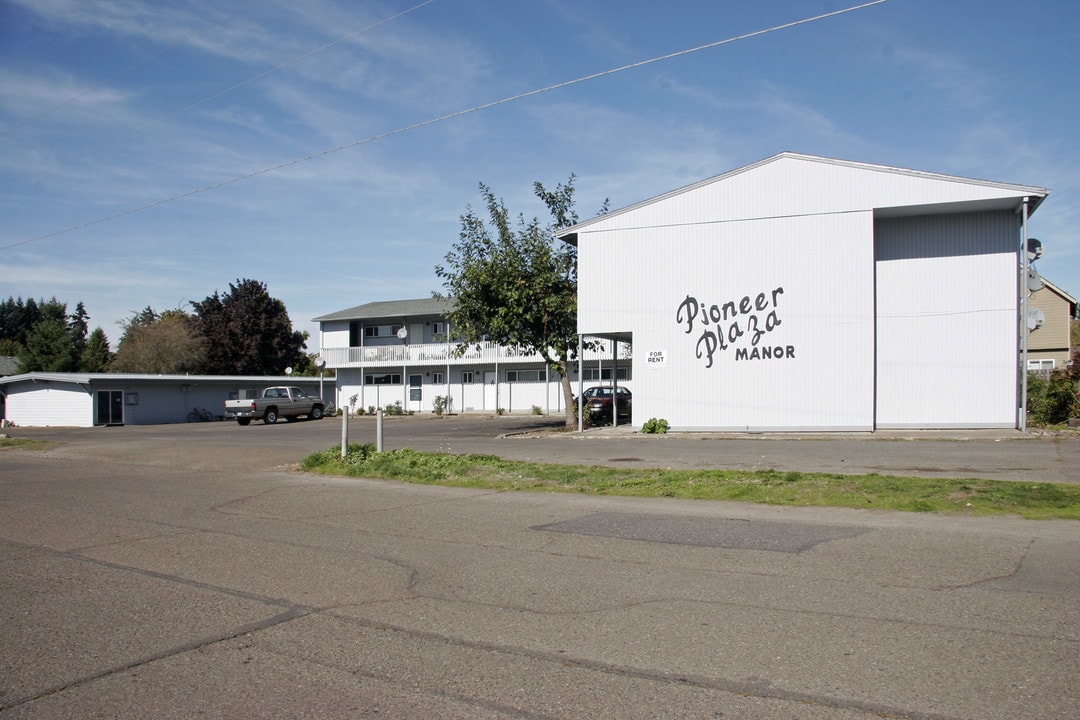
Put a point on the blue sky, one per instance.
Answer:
(110, 106)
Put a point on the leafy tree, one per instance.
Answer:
(168, 343)
(517, 285)
(96, 356)
(249, 333)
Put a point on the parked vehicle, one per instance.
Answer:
(598, 403)
(275, 402)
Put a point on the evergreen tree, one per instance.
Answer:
(96, 356)
(49, 348)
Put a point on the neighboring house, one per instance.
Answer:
(403, 352)
(1049, 346)
(87, 399)
(806, 293)
(9, 365)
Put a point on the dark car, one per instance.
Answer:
(598, 403)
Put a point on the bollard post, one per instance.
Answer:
(378, 430)
(344, 433)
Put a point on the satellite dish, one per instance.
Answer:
(402, 332)
(1035, 318)
(1034, 282)
(1034, 249)
(288, 371)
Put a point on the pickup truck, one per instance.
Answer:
(275, 402)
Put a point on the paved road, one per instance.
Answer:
(186, 571)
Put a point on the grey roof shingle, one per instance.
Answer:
(391, 309)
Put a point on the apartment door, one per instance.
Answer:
(416, 393)
(491, 390)
(110, 407)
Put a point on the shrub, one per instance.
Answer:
(655, 426)
(537, 410)
(1052, 400)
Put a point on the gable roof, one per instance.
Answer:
(1064, 295)
(391, 309)
(791, 183)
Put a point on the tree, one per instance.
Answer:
(77, 328)
(168, 343)
(249, 333)
(17, 320)
(49, 346)
(96, 356)
(517, 286)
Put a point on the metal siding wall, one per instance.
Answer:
(798, 186)
(824, 266)
(55, 405)
(947, 321)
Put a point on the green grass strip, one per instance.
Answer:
(1032, 500)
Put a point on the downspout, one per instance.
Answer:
(614, 383)
(1023, 316)
(449, 400)
(580, 383)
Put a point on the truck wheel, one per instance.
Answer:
(271, 416)
(316, 412)
(243, 421)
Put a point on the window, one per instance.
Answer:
(381, 330)
(438, 378)
(594, 374)
(387, 379)
(466, 376)
(1043, 365)
(523, 376)
(438, 329)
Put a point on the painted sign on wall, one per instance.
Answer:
(737, 325)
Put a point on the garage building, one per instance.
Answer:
(43, 399)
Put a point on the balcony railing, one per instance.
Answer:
(438, 354)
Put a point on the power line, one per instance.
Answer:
(227, 90)
(120, 74)
(441, 118)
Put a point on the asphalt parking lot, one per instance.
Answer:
(190, 571)
(994, 454)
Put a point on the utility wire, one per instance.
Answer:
(227, 90)
(441, 118)
(122, 73)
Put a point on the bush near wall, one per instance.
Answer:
(1054, 398)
